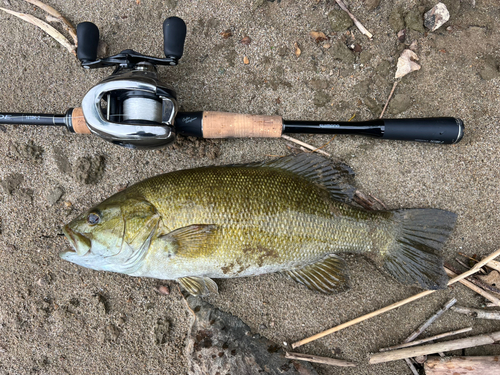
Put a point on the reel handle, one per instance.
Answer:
(88, 39)
(174, 35)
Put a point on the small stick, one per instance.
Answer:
(478, 282)
(356, 22)
(45, 27)
(473, 270)
(476, 289)
(411, 366)
(421, 341)
(389, 99)
(466, 266)
(462, 264)
(477, 313)
(446, 346)
(316, 359)
(431, 320)
(379, 201)
(288, 138)
(423, 327)
(58, 17)
(491, 264)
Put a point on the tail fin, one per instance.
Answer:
(415, 258)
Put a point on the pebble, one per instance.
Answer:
(163, 290)
(246, 41)
(55, 195)
(339, 20)
(413, 20)
(436, 17)
(372, 4)
(341, 52)
(396, 19)
(490, 69)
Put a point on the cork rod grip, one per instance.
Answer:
(78, 122)
(234, 125)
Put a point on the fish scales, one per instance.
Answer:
(292, 215)
(258, 211)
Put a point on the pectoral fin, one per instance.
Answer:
(190, 241)
(199, 286)
(326, 276)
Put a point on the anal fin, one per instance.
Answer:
(329, 275)
(199, 286)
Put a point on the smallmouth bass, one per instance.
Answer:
(291, 215)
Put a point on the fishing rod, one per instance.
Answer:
(132, 108)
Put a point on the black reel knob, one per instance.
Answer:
(174, 34)
(88, 39)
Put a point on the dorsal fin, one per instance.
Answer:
(329, 275)
(336, 178)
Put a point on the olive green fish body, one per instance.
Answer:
(266, 221)
(292, 215)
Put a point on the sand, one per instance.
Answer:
(56, 317)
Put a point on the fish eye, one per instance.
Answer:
(93, 218)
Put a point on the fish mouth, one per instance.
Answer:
(80, 244)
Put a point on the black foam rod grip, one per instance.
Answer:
(434, 130)
(174, 34)
(88, 39)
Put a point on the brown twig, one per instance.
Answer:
(446, 346)
(57, 17)
(306, 145)
(480, 283)
(379, 201)
(316, 359)
(463, 264)
(395, 305)
(493, 264)
(476, 289)
(389, 98)
(45, 27)
(422, 341)
(354, 19)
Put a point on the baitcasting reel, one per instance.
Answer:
(131, 108)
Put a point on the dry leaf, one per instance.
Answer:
(138, 2)
(297, 50)
(45, 27)
(246, 41)
(318, 36)
(226, 34)
(406, 64)
(246, 61)
(493, 278)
